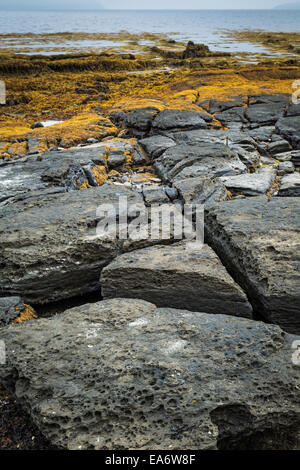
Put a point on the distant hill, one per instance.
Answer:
(288, 6)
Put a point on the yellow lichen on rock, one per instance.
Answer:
(27, 314)
(100, 174)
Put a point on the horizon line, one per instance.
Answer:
(145, 9)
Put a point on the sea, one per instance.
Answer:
(201, 26)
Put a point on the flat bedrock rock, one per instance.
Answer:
(59, 171)
(178, 276)
(265, 114)
(249, 184)
(174, 119)
(258, 241)
(186, 161)
(49, 248)
(123, 374)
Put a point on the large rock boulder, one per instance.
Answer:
(49, 248)
(177, 276)
(258, 241)
(123, 374)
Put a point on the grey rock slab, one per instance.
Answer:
(123, 374)
(293, 110)
(185, 161)
(155, 196)
(231, 115)
(177, 276)
(290, 185)
(249, 184)
(279, 146)
(258, 241)
(49, 247)
(289, 128)
(156, 145)
(285, 167)
(201, 190)
(265, 114)
(282, 98)
(175, 119)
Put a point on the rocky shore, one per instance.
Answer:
(187, 348)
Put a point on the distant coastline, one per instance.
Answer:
(288, 6)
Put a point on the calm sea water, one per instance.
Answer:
(204, 26)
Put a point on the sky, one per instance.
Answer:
(138, 4)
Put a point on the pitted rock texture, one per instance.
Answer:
(123, 374)
(49, 248)
(177, 276)
(258, 241)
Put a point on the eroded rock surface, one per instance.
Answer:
(123, 374)
(258, 241)
(49, 247)
(177, 276)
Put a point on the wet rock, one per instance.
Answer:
(258, 241)
(290, 185)
(49, 247)
(289, 128)
(249, 184)
(156, 145)
(177, 276)
(185, 161)
(10, 309)
(186, 380)
(265, 114)
(174, 119)
(36, 125)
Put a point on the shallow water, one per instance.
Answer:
(204, 26)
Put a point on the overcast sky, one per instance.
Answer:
(145, 4)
